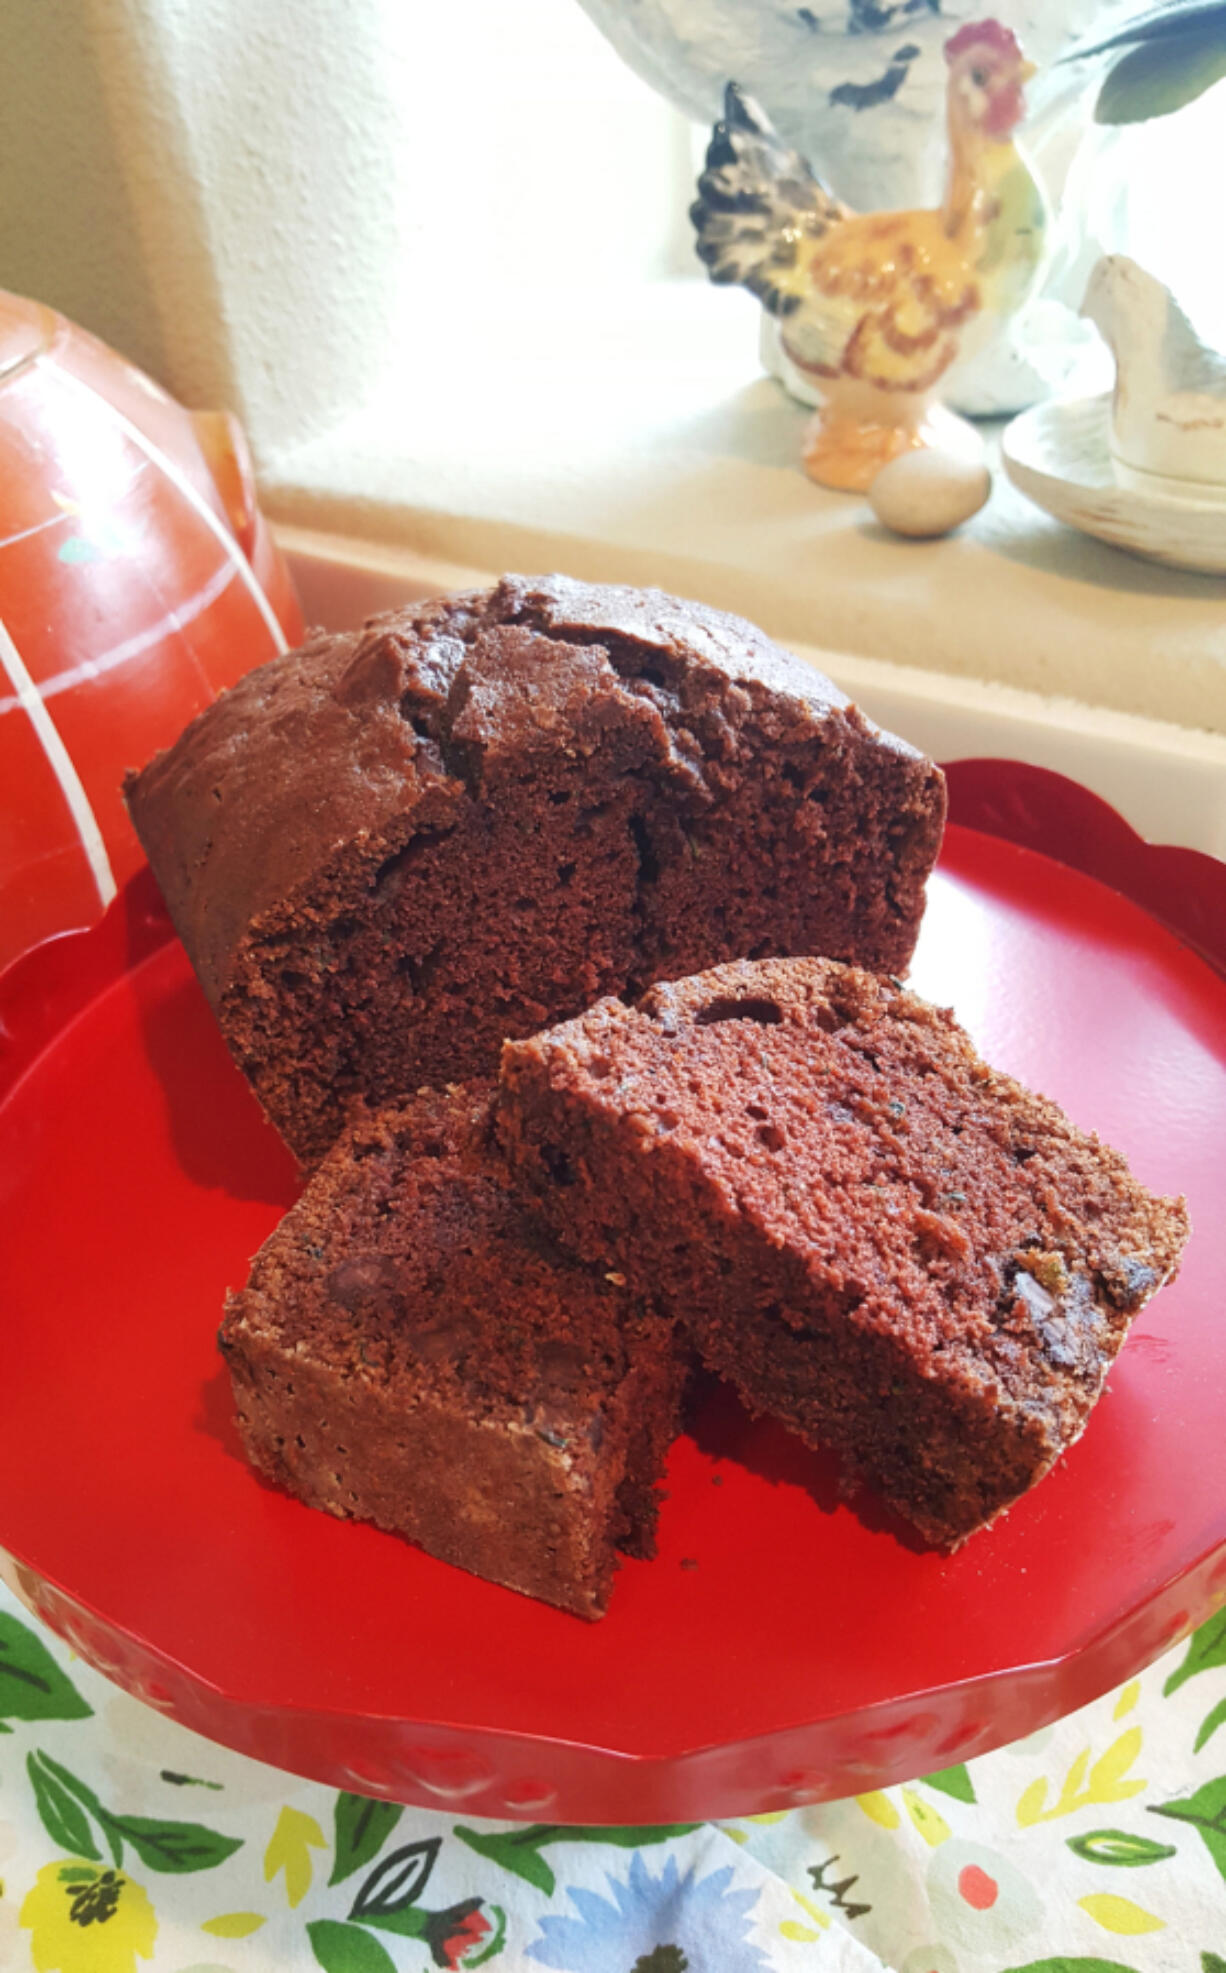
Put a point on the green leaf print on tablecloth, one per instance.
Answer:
(1072, 1966)
(1209, 1725)
(519, 1850)
(1206, 1652)
(61, 1814)
(176, 1847)
(955, 1781)
(347, 1949)
(1206, 1811)
(362, 1828)
(32, 1686)
(1120, 1847)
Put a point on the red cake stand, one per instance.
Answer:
(786, 1645)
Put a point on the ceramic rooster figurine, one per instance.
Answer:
(874, 307)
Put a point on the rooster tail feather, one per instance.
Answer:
(758, 205)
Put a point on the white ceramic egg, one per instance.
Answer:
(929, 492)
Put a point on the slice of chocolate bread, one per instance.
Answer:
(388, 851)
(408, 1350)
(880, 1240)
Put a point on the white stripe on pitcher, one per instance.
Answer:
(61, 766)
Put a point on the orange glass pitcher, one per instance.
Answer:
(138, 579)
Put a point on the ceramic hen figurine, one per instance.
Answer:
(1168, 412)
(874, 307)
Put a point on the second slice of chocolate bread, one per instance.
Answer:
(881, 1241)
(410, 1350)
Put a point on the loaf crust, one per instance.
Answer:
(390, 850)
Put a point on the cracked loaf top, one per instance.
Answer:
(391, 849)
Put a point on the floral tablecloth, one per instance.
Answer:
(1095, 1846)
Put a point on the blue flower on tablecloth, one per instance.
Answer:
(664, 1924)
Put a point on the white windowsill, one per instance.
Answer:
(633, 438)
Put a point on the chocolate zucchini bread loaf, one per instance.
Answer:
(408, 1350)
(389, 850)
(881, 1241)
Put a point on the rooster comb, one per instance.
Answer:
(983, 34)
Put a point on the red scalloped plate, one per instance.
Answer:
(784, 1646)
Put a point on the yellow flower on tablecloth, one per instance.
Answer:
(930, 1822)
(1105, 1782)
(1120, 1914)
(293, 1839)
(83, 1918)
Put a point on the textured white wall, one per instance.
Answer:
(205, 184)
(265, 201)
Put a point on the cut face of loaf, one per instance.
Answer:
(390, 850)
(410, 1351)
(882, 1242)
